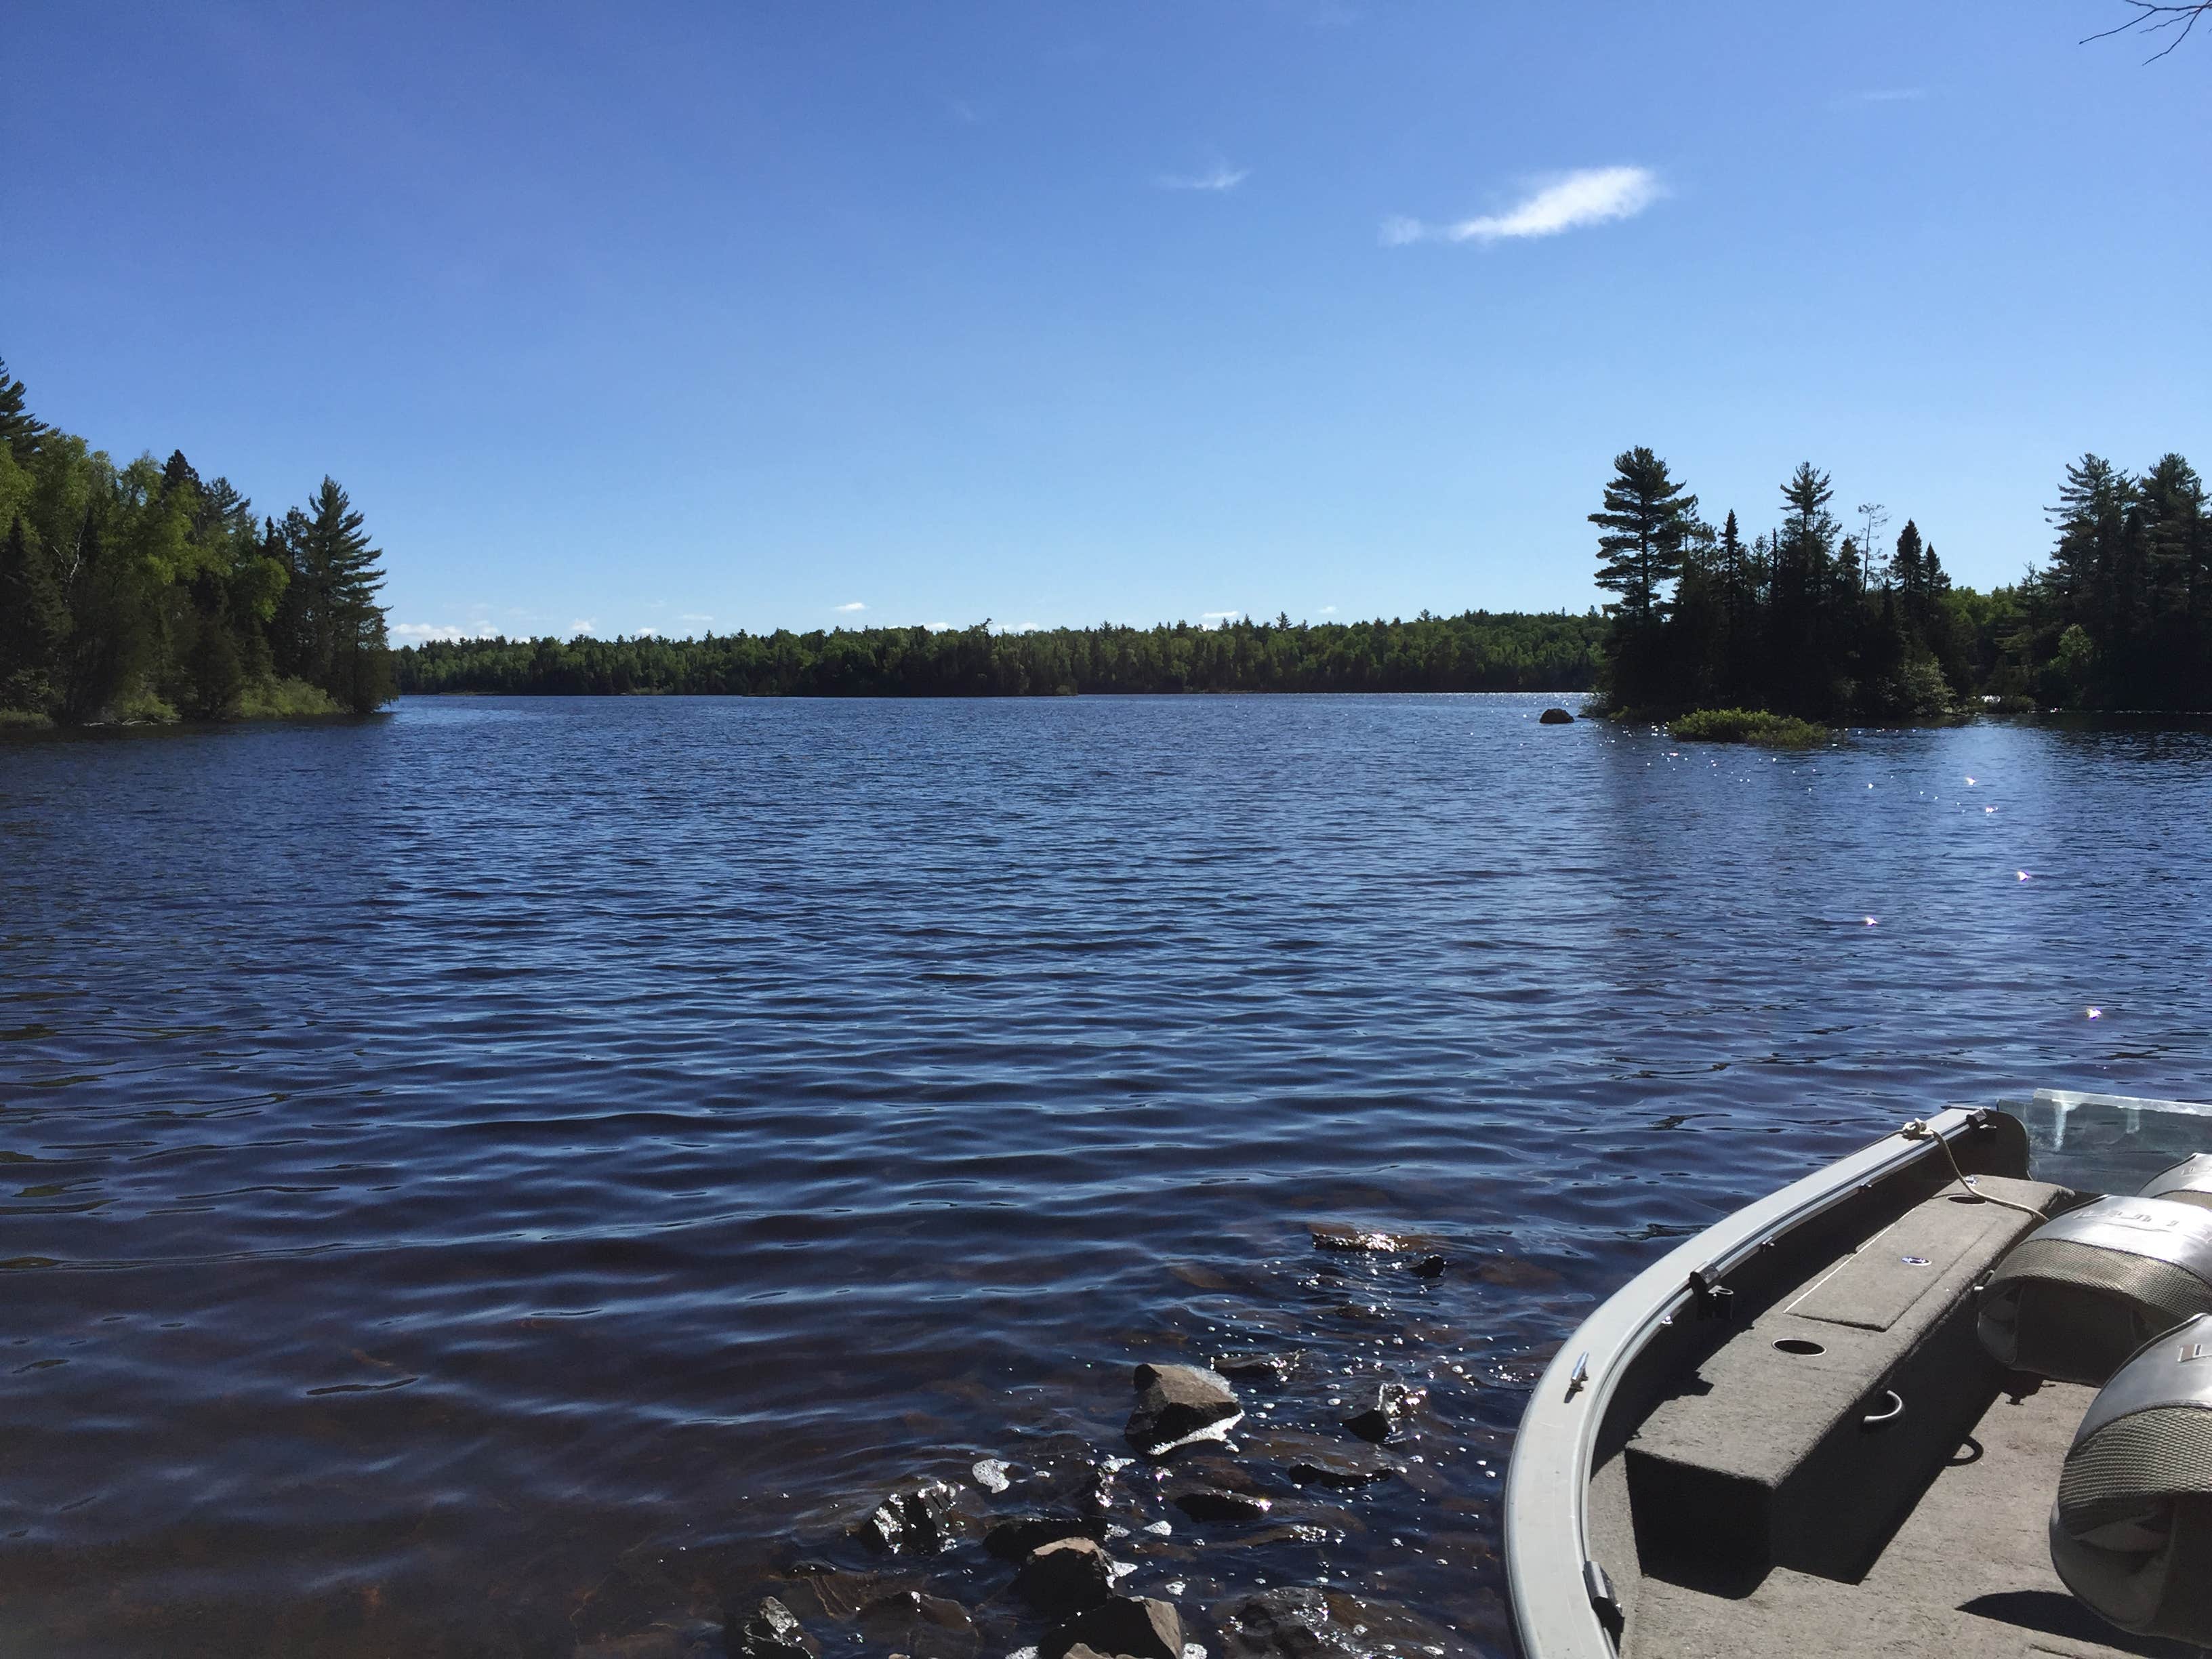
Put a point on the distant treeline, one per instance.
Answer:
(1809, 620)
(145, 591)
(1479, 651)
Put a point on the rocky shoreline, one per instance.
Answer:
(1262, 1456)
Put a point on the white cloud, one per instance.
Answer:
(1591, 196)
(1327, 610)
(848, 609)
(694, 616)
(1220, 616)
(583, 625)
(442, 631)
(1219, 177)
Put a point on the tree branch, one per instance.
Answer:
(2149, 18)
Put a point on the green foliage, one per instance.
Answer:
(272, 699)
(1646, 517)
(1748, 725)
(1804, 623)
(1477, 652)
(126, 592)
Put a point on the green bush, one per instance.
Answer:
(1748, 725)
(277, 700)
(23, 720)
(141, 707)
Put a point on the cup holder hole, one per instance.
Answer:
(1799, 1345)
(1963, 1198)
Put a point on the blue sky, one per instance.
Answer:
(747, 315)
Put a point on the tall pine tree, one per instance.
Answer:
(34, 621)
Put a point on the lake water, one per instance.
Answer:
(490, 1178)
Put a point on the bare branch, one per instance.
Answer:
(2150, 18)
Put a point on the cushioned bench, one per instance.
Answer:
(1805, 1437)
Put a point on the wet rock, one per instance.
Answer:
(1302, 1622)
(1309, 1460)
(773, 1632)
(1177, 1405)
(924, 1520)
(1270, 1370)
(1064, 1577)
(1219, 1503)
(1555, 717)
(992, 1475)
(1385, 1420)
(1430, 1266)
(1329, 1235)
(1138, 1627)
(1013, 1540)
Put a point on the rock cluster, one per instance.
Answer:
(1059, 1569)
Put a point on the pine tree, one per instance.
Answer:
(34, 620)
(18, 430)
(1645, 518)
(351, 657)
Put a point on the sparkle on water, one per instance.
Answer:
(502, 1175)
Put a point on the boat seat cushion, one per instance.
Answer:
(1767, 1456)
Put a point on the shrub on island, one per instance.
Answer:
(1748, 725)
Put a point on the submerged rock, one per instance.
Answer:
(1272, 1369)
(1177, 1405)
(1219, 1503)
(1385, 1420)
(923, 1521)
(921, 1626)
(1014, 1541)
(1430, 1266)
(773, 1632)
(1302, 1622)
(1555, 717)
(1065, 1577)
(1135, 1626)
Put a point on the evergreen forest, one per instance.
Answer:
(145, 593)
(1479, 651)
(1832, 622)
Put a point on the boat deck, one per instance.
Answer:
(1968, 1575)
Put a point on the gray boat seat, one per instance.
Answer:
(1801, 1441)
(2079, 1294)
(2189, 1182)
(2132, 1531)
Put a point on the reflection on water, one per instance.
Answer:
(489, 1179)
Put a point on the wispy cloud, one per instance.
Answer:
(443, 631)
(1591, 196)
(1219, 177)
(1883, 96)
(848, 610)
(1326, 611)
(963, 112)
(694, 616)
(1220, 616)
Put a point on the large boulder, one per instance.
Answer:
(1177, 1405)
(1065, 1577)
(1555, 717)
(1134, 1626)
(773, 1632)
